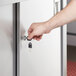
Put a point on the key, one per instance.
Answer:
(28, 39)
(23, 38)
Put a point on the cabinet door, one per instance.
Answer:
(44, 58)
(6, 41)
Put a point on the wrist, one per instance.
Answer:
(53, 23)
(49, 25)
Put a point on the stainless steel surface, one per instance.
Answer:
(6, 41)
(5, 2)
(39, 54)
(44, 58)
(9, 40)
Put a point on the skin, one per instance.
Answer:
(68, 14)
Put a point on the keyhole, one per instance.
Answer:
(30, 45)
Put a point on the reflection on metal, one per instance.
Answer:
(16, 38)
(73, 34)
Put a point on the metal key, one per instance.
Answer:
(28, 39)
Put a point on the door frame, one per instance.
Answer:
(63, 44)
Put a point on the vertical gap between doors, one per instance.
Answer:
(16, 38)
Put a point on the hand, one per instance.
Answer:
(37, 30)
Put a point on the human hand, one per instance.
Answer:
(37, 30)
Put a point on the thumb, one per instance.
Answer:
(31, 35)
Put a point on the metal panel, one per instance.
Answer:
(44, 58)
(5, 2)
(6, 41)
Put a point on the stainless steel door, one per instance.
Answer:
(6, 41)
(44, 58)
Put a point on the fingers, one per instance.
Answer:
(31, 35)
(35, 32)
(30, 31)
(38, 38)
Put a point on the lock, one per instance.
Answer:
(26, 38)
(30, 45)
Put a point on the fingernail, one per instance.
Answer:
(29, 39)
